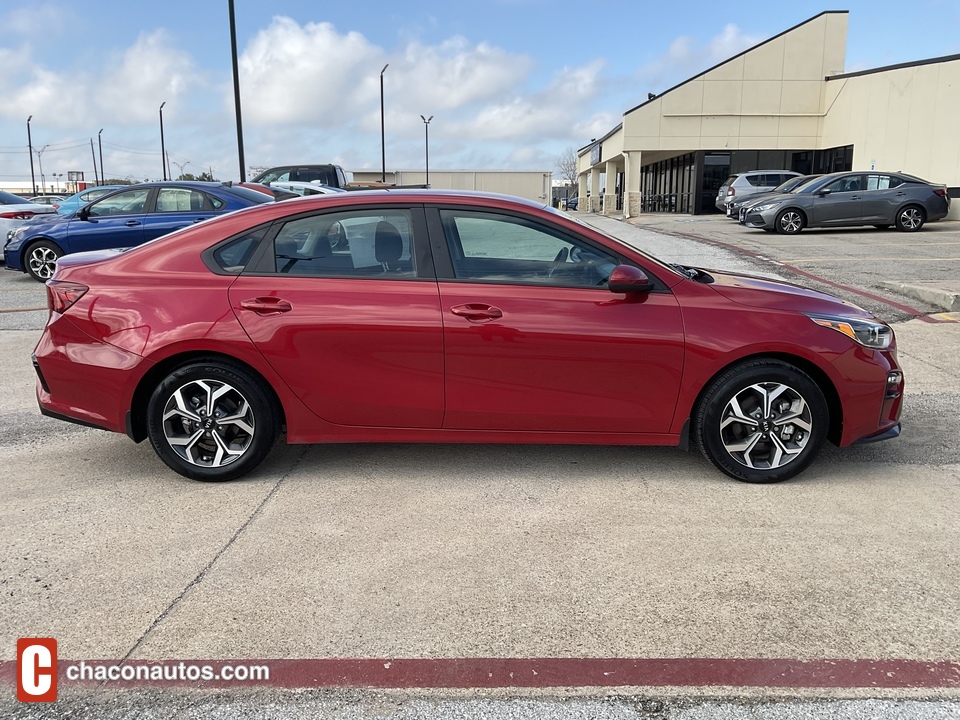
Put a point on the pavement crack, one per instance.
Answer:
(213, 561)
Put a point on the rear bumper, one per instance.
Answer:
(84, 380)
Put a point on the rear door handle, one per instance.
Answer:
(132, 223)
(855, 197)
(266, 305)
(201, 219)
(477, 312)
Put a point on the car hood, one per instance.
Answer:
(759, 292)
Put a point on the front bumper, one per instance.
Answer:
(760, 220)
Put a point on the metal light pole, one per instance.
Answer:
(383, 136)
(33, 178)
(163, 150)
(426, 144)
(103, 174)
(236, 91)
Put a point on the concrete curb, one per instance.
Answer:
(933, 293)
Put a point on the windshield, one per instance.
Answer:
(810, 185)
(793, 183)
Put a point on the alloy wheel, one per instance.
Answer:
(208, 423)
(42, 261)
(911, 218)
(766, 426)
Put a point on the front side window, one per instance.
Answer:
(851, 183)
(358, 243)
(489, 247)
(129, 202)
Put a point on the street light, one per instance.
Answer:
(103, 174)
(163, 150)
(56, 180)
(33, 178)
(383, 142)
(43, 180)
(426, 144)
(180, 167)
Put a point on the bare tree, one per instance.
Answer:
(567, 165)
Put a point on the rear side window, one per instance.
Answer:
(730, 180)
(358, 243)
(185, 200)
(882, 182)
(755, 180)
(233, 256)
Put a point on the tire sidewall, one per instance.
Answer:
(733, 381)
(903, 228)
(33, 246)
(783, 231)
(266, 418)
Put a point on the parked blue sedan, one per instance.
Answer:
(124, 218)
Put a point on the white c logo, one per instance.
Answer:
(33, 682)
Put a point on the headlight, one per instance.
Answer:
(868, 333)
(764, 207)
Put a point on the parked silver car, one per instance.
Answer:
(744, 184)
(852, 198)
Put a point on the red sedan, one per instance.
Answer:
(426, 316)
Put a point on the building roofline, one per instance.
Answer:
(741, 54)
(600, 140)
(899, 66)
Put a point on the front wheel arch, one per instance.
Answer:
(835, 407)
(137, 415)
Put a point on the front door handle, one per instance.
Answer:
(266, 305)
(477, 312)
(132, 223)
(855, 197)
(201, 219)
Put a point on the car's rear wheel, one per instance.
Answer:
(41, 260)
(910, 218)
(790, 222)
(762, 421)
(212, 420)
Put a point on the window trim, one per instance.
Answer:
(262, 264)
(444, 261)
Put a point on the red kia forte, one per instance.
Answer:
(426, 316)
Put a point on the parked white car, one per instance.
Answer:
(306, 188)
(15, 211)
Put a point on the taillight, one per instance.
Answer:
(61, 295)
(940, 191)
(731, 191)
(16, 215)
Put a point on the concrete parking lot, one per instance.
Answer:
(433, 552)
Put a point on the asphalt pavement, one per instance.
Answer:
(473, 552)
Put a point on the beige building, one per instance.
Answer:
(783, 104)
(533, 184)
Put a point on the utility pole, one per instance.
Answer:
(103, 174)
(94, 156)
(383, 135)
(163, 150)
(236, 91)
(33, 178)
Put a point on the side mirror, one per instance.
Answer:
(84, 212)
(824, 192)
(629, 279)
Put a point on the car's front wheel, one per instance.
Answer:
(910, 219)
(790, 222)
(212, 420)
(762, 421)
(41, 260)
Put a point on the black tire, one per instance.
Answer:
(232, 392)
(790, 221)
(40, 259)
(784, 447)
(910, 218)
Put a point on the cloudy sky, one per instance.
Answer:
(510, 83)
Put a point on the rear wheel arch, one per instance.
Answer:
(824, 382)
(137, 416)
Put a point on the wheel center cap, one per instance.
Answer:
(208, 423)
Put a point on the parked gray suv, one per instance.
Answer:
(749, 183)
(852, 198)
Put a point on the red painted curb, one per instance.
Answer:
(548, 673)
